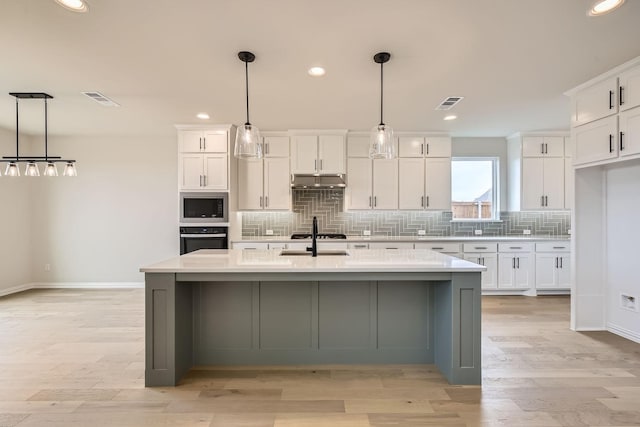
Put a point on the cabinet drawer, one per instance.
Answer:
(391, 245)
(446, 248)
(553, 247)
(358, 245)
(480, 247)
(250, 246)
(515, 247)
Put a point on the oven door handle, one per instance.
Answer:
(203, 236)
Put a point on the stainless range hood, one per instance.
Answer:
(310, 181)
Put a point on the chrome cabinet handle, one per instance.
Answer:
(200, 140)
(620, 97)
(315, 164)
(261, 201)
(541, 200)
(427, 149)
(559, 247)
(321, 164)
(266, 148)
(513, 263)
(422, 201)
(561, 263)
(204, 143)
(556, 262)
(427, 201)
(266, 201)
(370, 201)
(518, 262)
(422, 148)
(436, 248)
(479, 247)
(541, 148)
(375, 201)
(204, 179)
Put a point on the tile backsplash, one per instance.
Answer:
(327, 205)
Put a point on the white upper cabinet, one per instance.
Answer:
(629, 135)
(358, 146)
(437, 184)
(250, 185)
(385, 184)
(202, 141)
(359, 183)
(543, 146)
(421, 146)
(411, 183)
(595, 141)
(203, 161)
(275, 146)
(264, 184)
(629, 89)
(595, 102)
(321, 154)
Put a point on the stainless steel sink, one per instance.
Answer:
(321, 252)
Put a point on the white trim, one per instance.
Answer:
(71, 285)
(625, 333)
(614, 72)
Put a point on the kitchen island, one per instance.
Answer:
(231, 307)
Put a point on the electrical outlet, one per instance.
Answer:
(47, 267)
(477, 232)
(629, 302)
(526, 232)
(422, 232)
(269, 232)
(366, 233)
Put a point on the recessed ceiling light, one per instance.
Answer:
(74, 5)
(451, 117)
(600, 7)
(202, 116)
(316, 71)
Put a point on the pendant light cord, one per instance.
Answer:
(381, 93)
(46, 142)
(246, 81)
(17, 133)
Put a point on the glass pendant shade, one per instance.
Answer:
(248, 145)
(70, 170)
(382, 146)
(50, 170)
(31, 170)
(12, 170)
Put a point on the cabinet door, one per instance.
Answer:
(359, 177)
(331, 154)
(215, 171)
(276, 146)
(524, 274)
(214, 142)
(385, 184)
(411, 146)
(488, 279)
(411, 183)
(595, 141)
(277, 189)
(506, 271)
(304, 154)
(190, 141)
(250, 194)
(437, 146)
(564, 272)
(191, 174)
(568, 183)
(438, 184)
(629, 90)
(546, 270)
(532, 146)
(553, 183)
(532, 183)
(595, 102)
(629, 142)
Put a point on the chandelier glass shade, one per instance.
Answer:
(248, 144)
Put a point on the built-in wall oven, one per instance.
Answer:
(204, 208)
(201, 237)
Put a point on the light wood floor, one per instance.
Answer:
(76, 358)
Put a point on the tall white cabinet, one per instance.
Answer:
(264, 184)
(203, 160)
(536, 170)
(424, 180)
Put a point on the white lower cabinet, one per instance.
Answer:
(515, 271)
(553, 265)
(358, 245)
(250, 246)
(390, 245)
(489, 260)
(448, 248)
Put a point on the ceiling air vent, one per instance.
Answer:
(101, 99)
(449, 102)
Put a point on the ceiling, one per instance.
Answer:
(166, 60)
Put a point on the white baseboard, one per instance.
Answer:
(71, 285)
(623, 332)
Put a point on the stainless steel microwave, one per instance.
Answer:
(201, 208)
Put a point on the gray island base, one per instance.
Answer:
(260, 308)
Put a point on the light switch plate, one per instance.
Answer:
(422, 232)
(526, 232)
(269, 232)
(477, 232)
(366, 233)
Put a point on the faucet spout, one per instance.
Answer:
(314, 238)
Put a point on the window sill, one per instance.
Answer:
(475, 220)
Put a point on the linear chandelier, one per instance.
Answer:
(31, 162)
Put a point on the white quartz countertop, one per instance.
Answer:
(358, 261)
(287, 239)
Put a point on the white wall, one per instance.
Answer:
(118, 214)
(623, 236)
(494, 147)
(15, 230)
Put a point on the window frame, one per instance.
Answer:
(495, 197)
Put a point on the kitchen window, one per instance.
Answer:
(474, 188)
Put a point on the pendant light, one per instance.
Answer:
(248, 145)
(31, 167)
(382, 146)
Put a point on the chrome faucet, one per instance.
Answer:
(314, 238)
